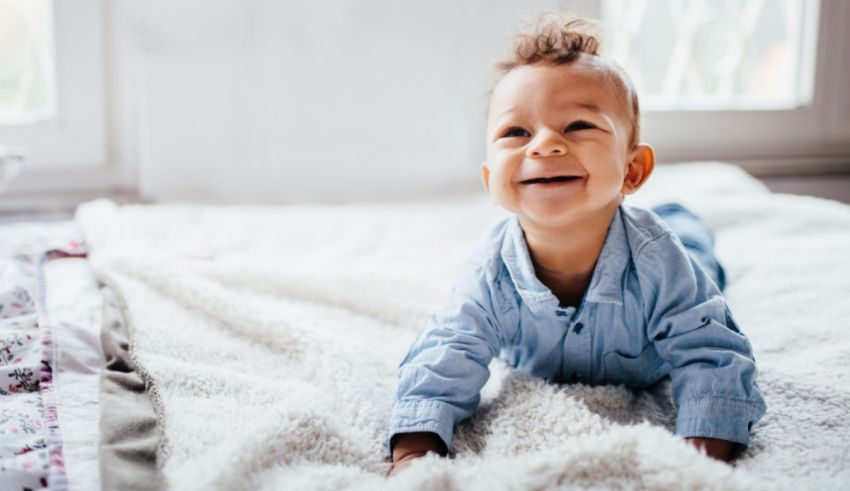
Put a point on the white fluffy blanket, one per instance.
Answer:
(272, 336)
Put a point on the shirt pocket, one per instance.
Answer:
(635, 371)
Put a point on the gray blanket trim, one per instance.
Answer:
(131, 437)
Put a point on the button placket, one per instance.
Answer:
(581, 346)
(570, 350)
(586, 350)
(575, 346)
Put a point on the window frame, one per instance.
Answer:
(811, 139)
(70, 153)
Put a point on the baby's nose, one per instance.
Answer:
(554, 150)
(548, 146)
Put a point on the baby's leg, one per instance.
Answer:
(697, 238)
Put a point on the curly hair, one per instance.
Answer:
(560, 39)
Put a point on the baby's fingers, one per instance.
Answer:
(397, 466)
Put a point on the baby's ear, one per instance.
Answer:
(485, 174)
(640, 166)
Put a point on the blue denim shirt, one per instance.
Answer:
(649, 311)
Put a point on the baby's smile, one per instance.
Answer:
(558, 190)
(552, 181)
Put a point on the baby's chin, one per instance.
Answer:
(558, 216)
(548, 215)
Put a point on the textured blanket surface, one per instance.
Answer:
(271, 337)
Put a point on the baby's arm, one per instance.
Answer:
(441, 377)
(713, 369)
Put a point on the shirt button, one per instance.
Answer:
(578, 327)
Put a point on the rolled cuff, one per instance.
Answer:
(723, 419)
(427, 415)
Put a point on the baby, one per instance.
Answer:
(576, 287)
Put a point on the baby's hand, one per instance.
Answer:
(404, 462)
(410, 446)
(719, 449)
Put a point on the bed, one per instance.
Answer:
(232, 347)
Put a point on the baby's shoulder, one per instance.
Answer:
(643, 227)
(654, 247)
(485, 279)
(486, 257)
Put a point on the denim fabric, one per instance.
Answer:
(697, 238)
(651, 310)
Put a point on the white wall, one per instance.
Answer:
(280, 101)
(259, 100)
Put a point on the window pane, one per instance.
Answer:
(26, 61)
(713, 54)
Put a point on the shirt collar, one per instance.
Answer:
(606, 285)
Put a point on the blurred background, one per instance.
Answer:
(262, 101)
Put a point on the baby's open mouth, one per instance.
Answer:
(548, 180)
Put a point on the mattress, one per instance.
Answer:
(204, 347)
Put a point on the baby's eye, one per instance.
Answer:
(579, 125)
(515, 132)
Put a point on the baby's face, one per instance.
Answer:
(557, 142)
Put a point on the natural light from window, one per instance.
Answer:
(27, 80)
(715, 55)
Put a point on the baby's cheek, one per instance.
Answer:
(500, 197)
(507, 198)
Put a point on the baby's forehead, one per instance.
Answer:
(588, 80)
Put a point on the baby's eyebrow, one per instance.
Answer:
(507, 111)
(584, 105)
(572, 105)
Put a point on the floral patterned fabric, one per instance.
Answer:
(30, 438)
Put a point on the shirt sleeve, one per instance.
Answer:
(441, 377)
(713, 368)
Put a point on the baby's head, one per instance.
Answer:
(563, 128)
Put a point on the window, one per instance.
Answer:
(758, 82)
(52, 97)
(712, 55)
(27, 70)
